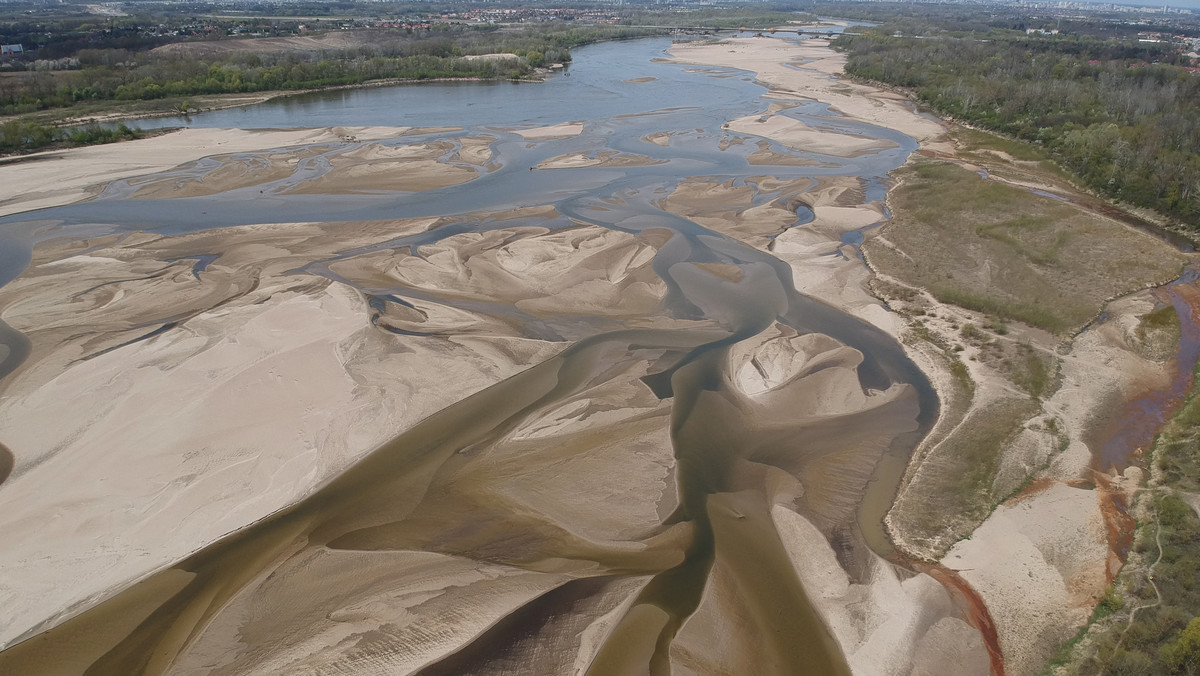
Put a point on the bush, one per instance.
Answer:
(24, 136)
(1182, 653)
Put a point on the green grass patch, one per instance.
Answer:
(1155, 642)
(1044, 253)
(918, 331)
(1031, 371)
(1111, 603)
(1002, 250)
(1158, 333)
(953, 493)
(1163, 318)
(973, 140)
(962, 376)
(1177, 452)
(1032, 311)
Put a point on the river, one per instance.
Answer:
(719, 434)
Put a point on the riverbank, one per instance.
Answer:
(195, 105)
(1013, 412)
(184, 78)
(1012, 468)
(183, 107)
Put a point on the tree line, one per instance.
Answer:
(1118, 114)
(25, 134)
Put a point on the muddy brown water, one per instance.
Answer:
(1134, 426)
(6, 463)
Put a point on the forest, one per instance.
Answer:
(1117, 113)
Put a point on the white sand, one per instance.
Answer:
(799, 136)
(555, 131)
(1037, 564)
(134, 458)
(272, 410)
(889, 624)
(605, 158)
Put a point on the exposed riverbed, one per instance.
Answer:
(607, 427)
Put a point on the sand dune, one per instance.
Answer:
(800, 136)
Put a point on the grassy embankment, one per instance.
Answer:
(1030, 270)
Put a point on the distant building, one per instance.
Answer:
(11, 50)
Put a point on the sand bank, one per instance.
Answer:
(604, 158)
(556, 131)
(799, 136)
(61, 177)
(229, 348)
(802, 71)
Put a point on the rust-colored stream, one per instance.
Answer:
(1132, 429)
